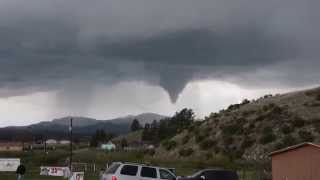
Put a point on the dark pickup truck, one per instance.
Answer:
(212, 174)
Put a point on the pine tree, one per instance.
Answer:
(135, 126)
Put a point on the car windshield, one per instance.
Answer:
(113, 168)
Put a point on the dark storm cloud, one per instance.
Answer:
(58, 45)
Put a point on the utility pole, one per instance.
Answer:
(45, 144)
(70, 131)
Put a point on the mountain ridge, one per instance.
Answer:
(86, 121)
(83, 126)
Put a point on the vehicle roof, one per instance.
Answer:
(141, 164)
(294, 147)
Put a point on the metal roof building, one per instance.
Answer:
(299, 162)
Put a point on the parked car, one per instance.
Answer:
(212, 174)
(130, 171)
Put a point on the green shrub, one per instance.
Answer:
(195, 126)
(286, 129)
(267, 130)
(267, 138)
(265, 108)
(227, 140)
(317, 127)
(169, 145)
(245, 101)
(247, 113)
(306, 136)
(298, 122)
(247, 142)
(238, 153)
(208, 155)
(199, 138)
(276, 110)
(252, 125)
(207, 130)
(196, 131)
(260, 117)
(288, 140)
(185, 139)
(150, 152)
(186, 152)
(207, 144)
(232, 129)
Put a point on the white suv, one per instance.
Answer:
(130, 171)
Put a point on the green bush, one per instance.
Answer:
(276, 110)
(267, 138)
(247, 113)
(306, 136)
(288, 140)
(150, 152)
(252, 125)
(245, 101)
(267, 130)
(238, 153)
(169, 145)
(195, 126)
(207, 130)
(260, 117)
(199, 138)
(298, 122)
(247, 142)
(265, 108)
(185, 139)
(208, 155)
(317, 127)
(207, 144)
(196, 131)
(186, 152)
(232, 129)
(233, 107)
(227, 140)
(286, 129)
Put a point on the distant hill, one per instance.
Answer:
(83, 127)
(252, 129)
(143, 118)
(78, 121)
(84, 121)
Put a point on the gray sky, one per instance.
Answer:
(108, 58)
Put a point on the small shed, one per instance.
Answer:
(108, 146)
(64, 142)
(299, 162)
(51, 141)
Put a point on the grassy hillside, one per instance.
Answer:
(252, 129)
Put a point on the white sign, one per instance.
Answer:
(9, 164)
(54, 171)
(77, 176)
